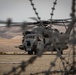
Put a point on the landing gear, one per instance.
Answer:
(34, 49)
(30, 52)
(35, 52)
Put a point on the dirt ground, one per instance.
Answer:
(44, 63)
(8, 45)
(7, 62)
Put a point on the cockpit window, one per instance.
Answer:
(29, 32)
(30, 36)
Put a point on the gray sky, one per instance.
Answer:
(21, 10)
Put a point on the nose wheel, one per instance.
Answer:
(30, 52)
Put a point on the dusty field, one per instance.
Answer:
(7, 62)
(8, 45)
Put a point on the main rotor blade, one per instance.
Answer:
(61, 19)
(34, 18)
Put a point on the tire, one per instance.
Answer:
(34, 49)
(30, 52)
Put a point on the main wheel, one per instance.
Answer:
(35, 52)
(30, 52)
(34, 49)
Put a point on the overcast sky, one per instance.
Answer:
(21, 10)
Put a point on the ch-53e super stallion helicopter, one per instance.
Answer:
(43, 36)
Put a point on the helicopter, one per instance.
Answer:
(43, 36)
